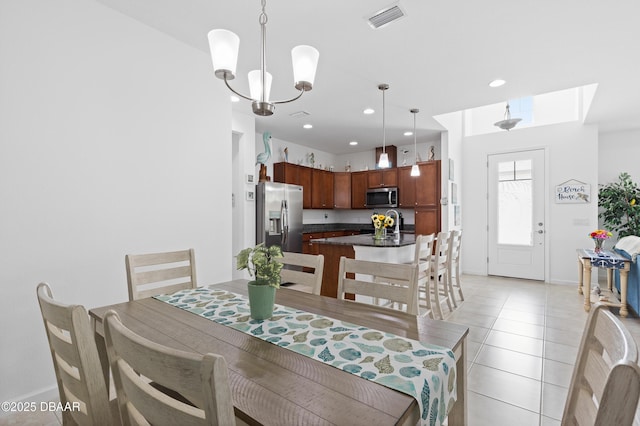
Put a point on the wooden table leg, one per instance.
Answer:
(458, 413)
(624, 278)
(102, 351)
(586, 284)
(580, 276)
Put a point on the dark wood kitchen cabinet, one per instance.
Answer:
(427, 220)
(382, 178)
(359, 187)
(296, 175)
(406, 188)
(321, 189)
(342, 190)
(428, 185)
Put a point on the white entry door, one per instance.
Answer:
(516, 214)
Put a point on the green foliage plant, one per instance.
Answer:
(261, 263)
(620, 206)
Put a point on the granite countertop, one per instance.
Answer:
(368, 241)
(362, 227)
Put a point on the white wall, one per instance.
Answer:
(244, 210)
(114, 139)
(619, 152)
(571, 153)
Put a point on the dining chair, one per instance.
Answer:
(297, 270)
(76, 362)
(202, 379)
(159, 273)
(439, 273)
(422, 257)
(453, 267)
(396, 283)
(605, 385)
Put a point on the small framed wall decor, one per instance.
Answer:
(250, 196)
(249, 178)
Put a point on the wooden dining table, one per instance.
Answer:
(272, 385)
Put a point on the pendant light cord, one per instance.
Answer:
(384, 132)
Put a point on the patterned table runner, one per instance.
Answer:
(604, 259)
(426, 372)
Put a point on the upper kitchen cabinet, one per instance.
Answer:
(428, 185)
(342, 190)
(296, 175)
(419, 191)
(359, 185)
(321, 189)
(382, 178)
(406, 188)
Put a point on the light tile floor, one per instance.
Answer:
(522, 345)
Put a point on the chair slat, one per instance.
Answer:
(150, 281)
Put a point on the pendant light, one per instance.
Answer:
(508, 123)
(224, 47)
(383, 163)
(415, 169)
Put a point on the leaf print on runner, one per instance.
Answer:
(302, 337)
(367, 359)
(321, 323)
(326, 355)
(397, 345)
(257, 331)
(425, 395)
(369, 348)
(243, 318)
(372, 335)
(433, 416)
(452, 380)
(340, 336)
(432, 364)
(338, 329)
(384, 365)
(293, 325)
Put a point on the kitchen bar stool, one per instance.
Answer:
(454, 267)
(440, 273)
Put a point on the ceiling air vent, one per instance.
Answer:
(299, 114)
(385, 16)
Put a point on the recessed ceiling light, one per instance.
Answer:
(369, 111)
(497, 83)
(308, 126)
(408, 133)
(353, 143)
(235, 98)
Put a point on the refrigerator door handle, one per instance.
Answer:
(284, 217)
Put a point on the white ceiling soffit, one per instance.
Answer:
(386, 16)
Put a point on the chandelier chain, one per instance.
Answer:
(262, 19)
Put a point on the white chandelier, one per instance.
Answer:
(224, 46)
(508, 123)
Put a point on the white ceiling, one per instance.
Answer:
(439, 58)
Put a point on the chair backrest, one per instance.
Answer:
(202, 379)
(390, 281)
(295, 270)
(423, 253)
(454, 246)
(159, 273)
(605, 385)
(441, 253)
(75, 361)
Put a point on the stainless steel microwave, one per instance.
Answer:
(382, 197)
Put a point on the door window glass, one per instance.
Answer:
(515, 203)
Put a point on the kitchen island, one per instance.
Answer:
(363, 247)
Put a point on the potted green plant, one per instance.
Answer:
(620, 203)
(262, 265)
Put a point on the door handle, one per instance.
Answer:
(541, 232)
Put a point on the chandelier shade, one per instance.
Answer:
(383, 162)
(224, 46)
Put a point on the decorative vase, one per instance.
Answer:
(379, 234)
(262, 297)
(599, 243)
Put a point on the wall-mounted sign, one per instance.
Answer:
(573, 191)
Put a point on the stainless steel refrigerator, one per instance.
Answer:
(279, 215)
